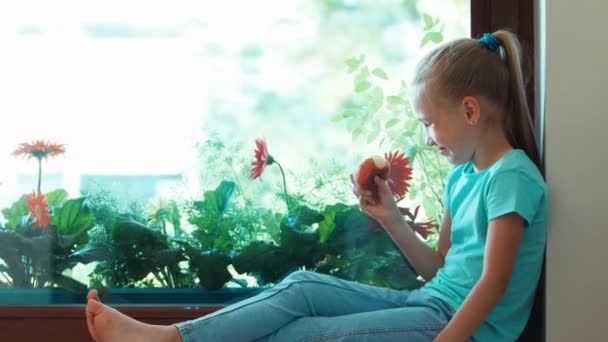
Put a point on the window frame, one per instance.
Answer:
(67, 322)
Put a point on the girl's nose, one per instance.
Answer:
(430, 141)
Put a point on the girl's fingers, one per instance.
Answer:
(382, 186)
(358, 191)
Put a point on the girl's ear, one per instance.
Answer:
(471, 108)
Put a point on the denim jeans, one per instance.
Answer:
(308, 306)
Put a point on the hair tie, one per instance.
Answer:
(491, 43)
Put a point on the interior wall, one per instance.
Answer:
(576, 121)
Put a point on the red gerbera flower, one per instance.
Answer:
(400, 174)
(39, 149)
(262, 159)
(423, 228)
(38, 208)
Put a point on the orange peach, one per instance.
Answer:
(370, 168)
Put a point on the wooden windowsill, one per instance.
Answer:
(67, 323)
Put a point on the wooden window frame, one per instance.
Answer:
(67, 323)
(517, 16)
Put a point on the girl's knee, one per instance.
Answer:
(299, 276)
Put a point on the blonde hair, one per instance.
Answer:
(467, 67)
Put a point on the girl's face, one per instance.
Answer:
(449, 127)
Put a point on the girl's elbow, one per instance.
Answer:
(497, 281)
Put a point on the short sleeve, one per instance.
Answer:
(513, 192)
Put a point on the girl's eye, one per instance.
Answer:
(426, 124)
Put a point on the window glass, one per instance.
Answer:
(129, 130)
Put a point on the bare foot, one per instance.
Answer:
(108, 325)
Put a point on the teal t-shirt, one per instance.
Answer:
(511, 185)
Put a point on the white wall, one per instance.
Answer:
(577, 169)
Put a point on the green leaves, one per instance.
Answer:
(15, 213)
(396, 100)
(378, 72)
(72, 218)
(432, 33)
(428, 22)
(56, 198)
(326, 227)
(265, 258)
(211, 268)
(220, 199)
(435, 37)
(354, 63)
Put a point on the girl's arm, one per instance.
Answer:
(425, 260)
(504, 235)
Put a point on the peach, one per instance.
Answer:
(370, 168)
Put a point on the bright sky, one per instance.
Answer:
(118, 103)
(121, 104)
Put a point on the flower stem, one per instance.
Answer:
(39, 173)
(284, 184)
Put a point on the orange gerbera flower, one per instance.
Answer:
(39, 149)
(38, 208)
(400, 173)
(262, 158)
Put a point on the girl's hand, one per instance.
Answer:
(381, 207)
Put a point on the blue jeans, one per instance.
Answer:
(308, 306)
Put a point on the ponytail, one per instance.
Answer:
(517, 121)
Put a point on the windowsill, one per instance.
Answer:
(67, 322)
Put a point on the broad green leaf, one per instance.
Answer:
(303, 215)
(428, 22)
(362, 86)
(435, 37)
(391, 122)
(212, 269)
(263, 257)
(224, 193)
(56, 198)
(357, 132)
(168, 257)
(15, 213)
(395, 100)
(301, 245)
(378, 72)
(89, 253)
(134, 233)
(326, 227)
(210, 202)
(73, 217)
(352, 64)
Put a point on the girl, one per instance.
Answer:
(480, 283)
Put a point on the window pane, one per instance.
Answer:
(153, 111)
